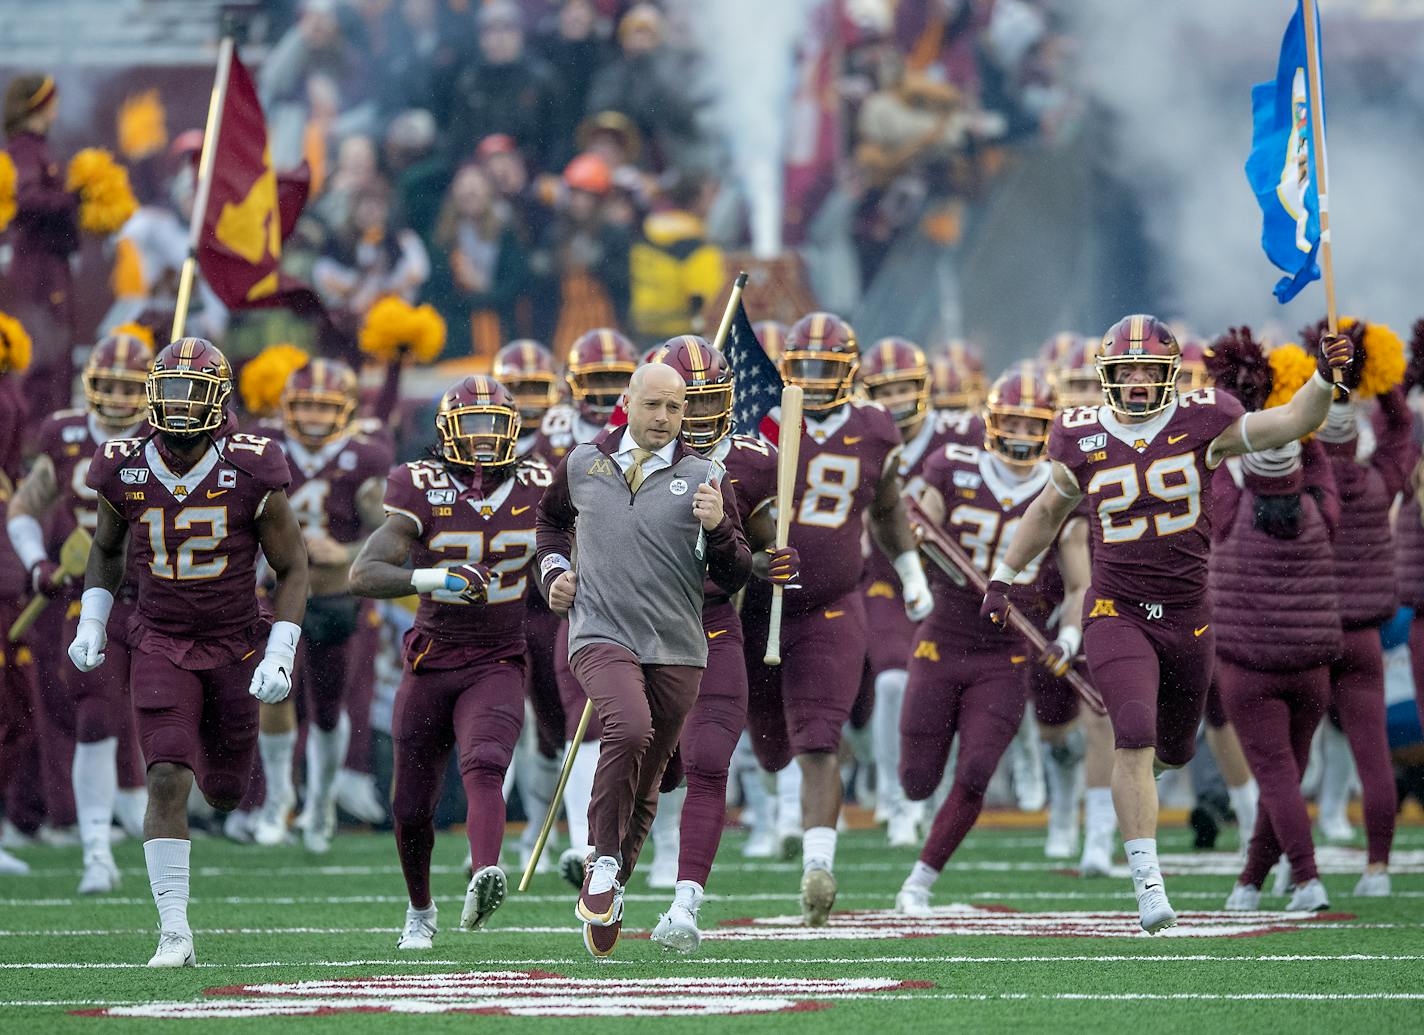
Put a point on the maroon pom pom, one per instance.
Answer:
(1238, 365)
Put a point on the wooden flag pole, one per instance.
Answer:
(1316, 94)
(216, 103)
(730, 311)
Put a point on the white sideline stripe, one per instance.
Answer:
(707, 961)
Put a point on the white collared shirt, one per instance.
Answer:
(624, 457)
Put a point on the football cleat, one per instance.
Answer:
(1097, 855)
(1310, 897)
(662, 875)
(321, 827)
(600, 900)
(601, 941)
(912, 900)
(269, 826)
(1030, 786)
(1062, 840)
(762, 844)
(573, 866)
(419, 931)
(1154, 912)
(1244, 898)
(485, 894)
(356, 796)
(101, 876)
(175, 949)
(1336, 828)
(903, 828)
(11, 866)
(129, 807)
(1373, 885)
(818, 895)
(677, 930)
(1281, 882)
(238, 826)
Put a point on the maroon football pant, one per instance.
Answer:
(204, 720)
(1055, 702)
(479, 708)
(1275, 715)
(1153, 674)
(642, 709)
(709, 736)
(53, 715)
(101, 698)
(978, 697)
(17, 734)
(572, 697)
(801, 706)
(541, 630)
(1357, 704)
(361, 685)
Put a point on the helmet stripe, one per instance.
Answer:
(694, 355)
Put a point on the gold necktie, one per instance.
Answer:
(634, 474)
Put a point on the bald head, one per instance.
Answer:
(656, 397)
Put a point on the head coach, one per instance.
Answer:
(647, 520)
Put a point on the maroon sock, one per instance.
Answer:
(414, 843)
(484, 820)
(703, 812)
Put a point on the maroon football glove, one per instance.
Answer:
(476, 577)
(784, 569)
(42, 580)
(1336, 351)
(995, 608)
(1055, 659)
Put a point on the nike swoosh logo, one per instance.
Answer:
(516, 511)
(834, 614)
(1172, 440)
(1198, 632)
(715, 633)
(851, 440)
(214, 495)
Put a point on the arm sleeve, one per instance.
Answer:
(554, 527)
(729, 558)
(1395, 451)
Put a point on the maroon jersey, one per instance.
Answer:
(751, 465)
(983, 505)
(561, 429)
(192, 536)
(963, 426)
(457, 525)
(842, 460)
(1143, 482)
(325, 481)
(70, 438)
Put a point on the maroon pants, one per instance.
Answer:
(1275, 715)
(17, 735)
(480, 708)
(53, 716)
(541, 630)
(980, 698)
(642, 709)
(1357, 704)
(1153, 673)
(361, 685)
(1055, 702)
(709, 736)
(572, 697)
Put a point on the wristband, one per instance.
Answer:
(1003, 573)
(1070, 638)
(27, 538)
(95, 605)
(428, 580)
(282, 640)
(909, 568)
(1322, 383)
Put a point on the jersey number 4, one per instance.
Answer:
(185, 564)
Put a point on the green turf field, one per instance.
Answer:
(1017, 948)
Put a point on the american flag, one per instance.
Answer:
(757, 382)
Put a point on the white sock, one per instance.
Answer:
(885, 731)
(1243, 802)
(428, 912)
(1063, 788)
(922, 876)
(579, 793)
(788, 798)
(1142, 856)
(667, 824)
(96, 786)
(688, 894)
(276, 751)
(1098, 811)
(167, 859)
(818, 844)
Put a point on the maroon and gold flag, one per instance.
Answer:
(251, 210)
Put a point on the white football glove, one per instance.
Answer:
(913, 586)
(87, 650)
(272, 681)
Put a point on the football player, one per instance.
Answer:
(896, 375)
(193, 502)
(465, 519)
(711, 730)
(1141, 458)
(848, 473)
(338, 475)
(964, 679)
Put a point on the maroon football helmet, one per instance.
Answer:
(1139, 340)
(1056, 349)
(822, 356)
(318, 401)
(599, 366)
(188, 387)
(1021, 392)
(1075, 375)
(477, 423)
(707, 418)
(772, 336)
(1192, 374)
(896, 373)
(115, 376)
(526, 368)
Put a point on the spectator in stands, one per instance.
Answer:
(419, 171)
(675, 270)
(420, 51)
(505, 89)
(522, 200)
(481, 268)
(357, 170)
(575, 44)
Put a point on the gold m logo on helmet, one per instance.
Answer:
(1103, 609)
(927, 649)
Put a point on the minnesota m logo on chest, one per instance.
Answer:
(602, 465)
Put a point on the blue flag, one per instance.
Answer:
(756, 381)
(1282, 165)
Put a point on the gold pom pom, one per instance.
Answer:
(7, 189)
(394, 328)
(105, 198)
(1384, 359)
(265, 375)
(14, 346)
(143, 128)
(1291, 367)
